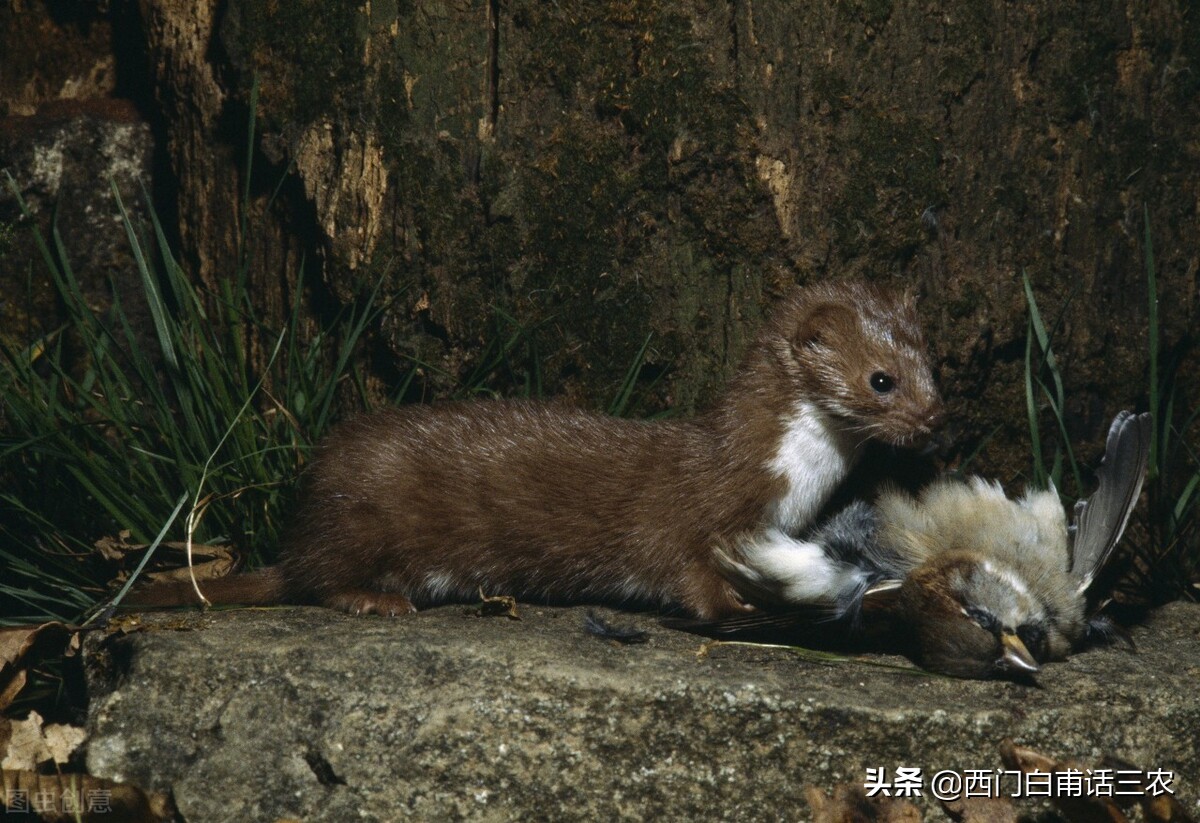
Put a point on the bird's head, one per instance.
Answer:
(977, 617)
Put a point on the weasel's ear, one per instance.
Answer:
(822, 320)
(1100, 519)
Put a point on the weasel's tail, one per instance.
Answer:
(264, 587)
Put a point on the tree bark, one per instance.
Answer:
(557, 182)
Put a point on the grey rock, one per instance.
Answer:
(305, 713)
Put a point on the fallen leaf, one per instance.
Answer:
(10, 690)
(1160, 808)
(221, 566)
(1081, 809)
(1156, 808)
(981, 810)
(61, 741)
(66, 798)
(30, 744)
(20, 646)
(499, 606)
(114, 548)
(1165, 809)
(169, 563)
(24, 743)
(850, 804)
(123, 624)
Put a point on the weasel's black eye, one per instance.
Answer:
(882, 382)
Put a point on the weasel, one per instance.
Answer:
(420, 505)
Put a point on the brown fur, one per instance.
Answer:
(423, 504)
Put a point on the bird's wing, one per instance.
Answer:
(871, 603)
(754, 622)
(1100, 519)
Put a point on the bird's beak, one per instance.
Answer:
(1015, 656)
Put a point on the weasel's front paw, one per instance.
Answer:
(391, 604)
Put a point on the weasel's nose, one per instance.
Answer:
(935, 416)
(927, 424)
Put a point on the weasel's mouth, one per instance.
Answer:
(915, 431)
(907, 437)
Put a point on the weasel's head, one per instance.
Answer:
(857, 352)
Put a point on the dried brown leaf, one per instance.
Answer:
(30, 744)
(850, 804)
(23, 646)
(24, 743)
(65, 798)
(170, 559)
(1084, 809)
(202, 570)
(498, 606)
(16, 641)
(61, 740)
(1163, 808)
(114, 549)
(10, 689)
(981, 810)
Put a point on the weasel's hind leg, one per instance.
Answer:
(361, 601)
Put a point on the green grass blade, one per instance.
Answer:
(621, 402)
(1035, 434)
(159, 312)
(151, 549)
(1153, 341)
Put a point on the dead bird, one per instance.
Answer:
(977, 584)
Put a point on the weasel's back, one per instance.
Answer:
(528, 498)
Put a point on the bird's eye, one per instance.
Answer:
(985, 619)
(1034, 638)
(882, 382)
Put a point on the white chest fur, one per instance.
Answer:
(814, 456)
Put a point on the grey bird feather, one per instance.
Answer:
(1100, 520)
